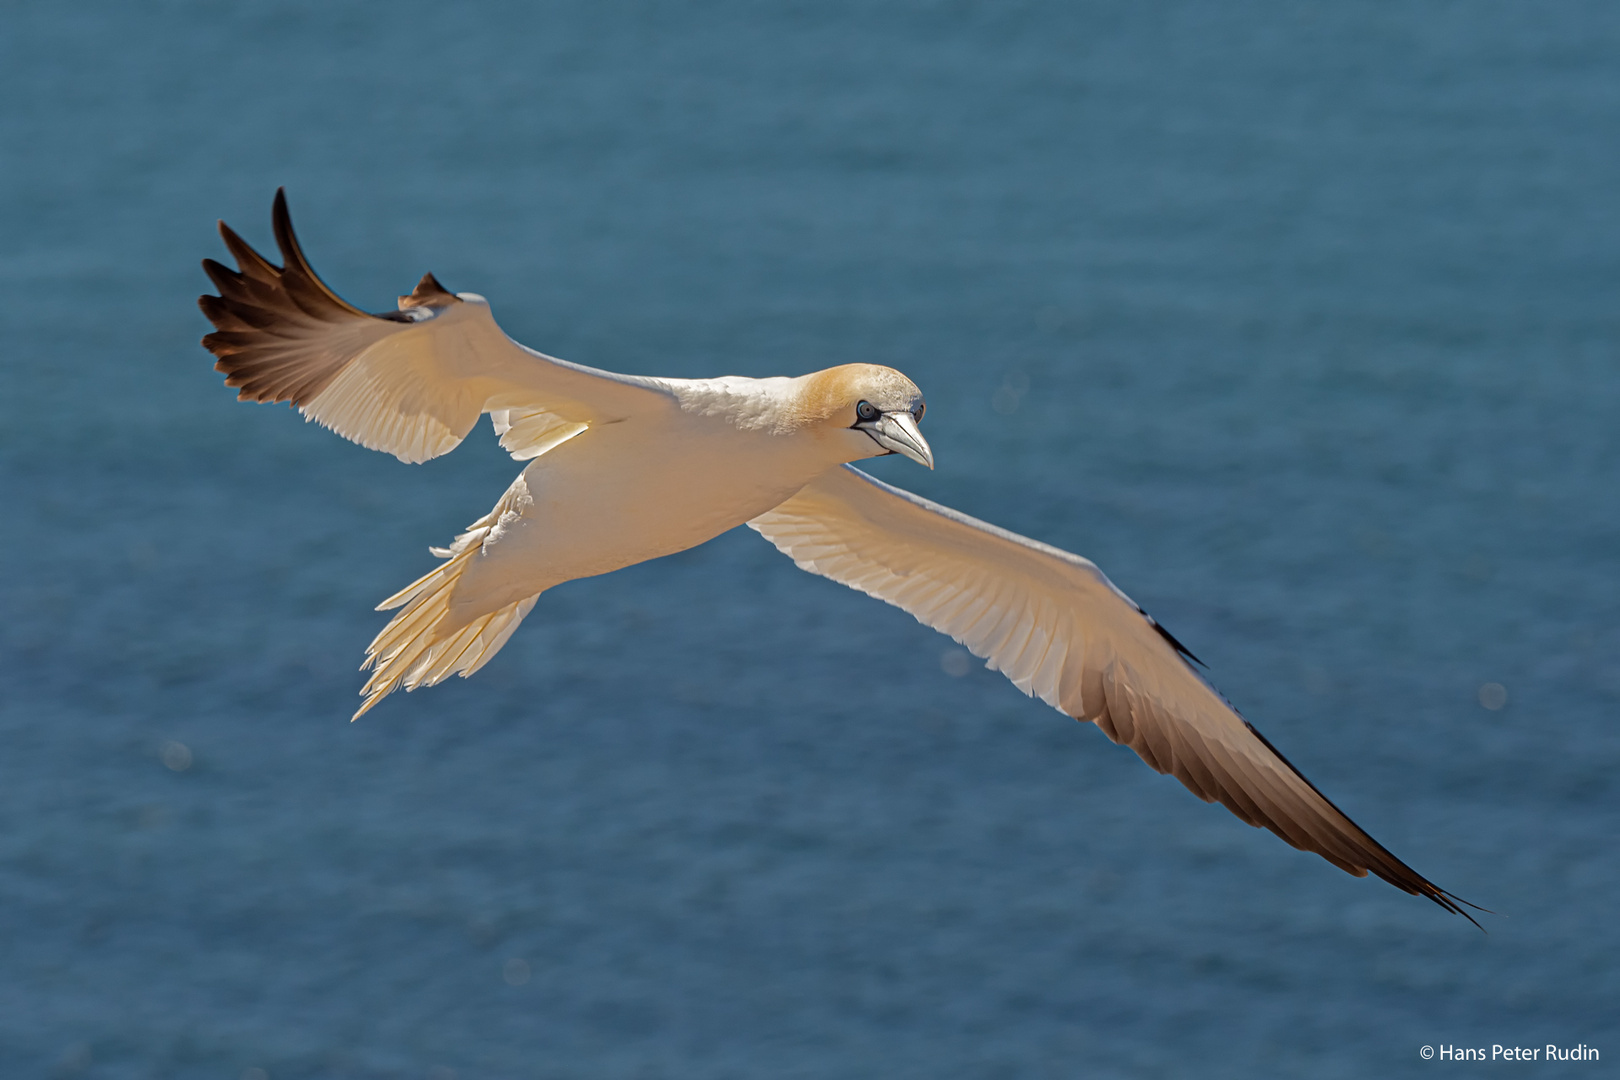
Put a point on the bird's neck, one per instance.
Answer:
(795, 414)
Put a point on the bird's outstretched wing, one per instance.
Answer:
(1053, 624)
(411, 382)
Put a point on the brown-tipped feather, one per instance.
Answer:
(297, 275)
(1375, 856)
(252, 264)
(272, 323)
(428, 293)
(1232, 779)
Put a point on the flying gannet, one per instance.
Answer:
(625, 468)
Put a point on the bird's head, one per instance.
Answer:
(870, 410)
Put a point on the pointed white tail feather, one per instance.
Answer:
(410, 652)
(416, 648)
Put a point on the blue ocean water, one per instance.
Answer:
(1300, 320)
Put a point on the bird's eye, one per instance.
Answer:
(917, 410)
(866, 411)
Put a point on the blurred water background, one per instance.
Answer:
(1298, 319)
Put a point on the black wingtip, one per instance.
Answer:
(256, 305)
(292, 254)
(1412, 883)
(1171, 638)
(281, 225)
(1455, 903)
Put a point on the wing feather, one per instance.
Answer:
(411, 382)
(1060, 630)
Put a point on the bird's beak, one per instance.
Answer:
(897, 433)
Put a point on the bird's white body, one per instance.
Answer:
(622, 469)
(670, 478)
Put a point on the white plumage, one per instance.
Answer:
(622, 469)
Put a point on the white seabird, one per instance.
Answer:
(626, 468)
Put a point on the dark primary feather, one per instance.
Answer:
(270, 322)
(1212, 774)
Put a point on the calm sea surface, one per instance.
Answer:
(1301, 320)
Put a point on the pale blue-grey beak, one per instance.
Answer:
(897, 433)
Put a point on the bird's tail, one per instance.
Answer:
(418, 647)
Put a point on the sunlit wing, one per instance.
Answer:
(411, 382)
(1053, 624)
